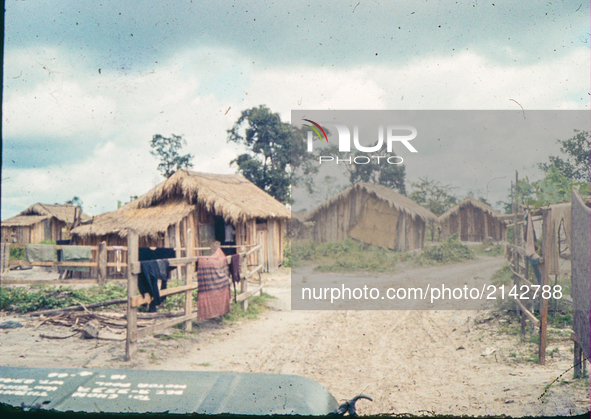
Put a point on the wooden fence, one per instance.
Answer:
(98, 260)
(134, 299)
(529, 294)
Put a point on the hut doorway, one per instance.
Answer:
(226, 234)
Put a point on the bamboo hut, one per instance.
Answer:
(41, 222)
(372, 214)
(224, 208)
(472, 221)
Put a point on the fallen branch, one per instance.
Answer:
(78, 307)
(58, 337)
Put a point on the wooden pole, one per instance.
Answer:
(190, 272)
(177, 245)
(546, 230)
(5, 254)
(260, 257)
(132, 290)
(102, 264)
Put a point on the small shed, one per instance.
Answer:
(225, 208)
(373, 214)
(41, 222)
(472, 221)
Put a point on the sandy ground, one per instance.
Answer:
(420, 362)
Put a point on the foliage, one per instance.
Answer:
(326, 189)
(432, 195)
(344, 256)
(18, 253)
(167, 150)
(76, 201)
(256, 305)
(24, 300)
(577, 166)
(377, 171)
(503, 276)
(276, 157)
(552, 189)
(287, 253)
(451, 250)
(489, 249)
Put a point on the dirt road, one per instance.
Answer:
(457, 362)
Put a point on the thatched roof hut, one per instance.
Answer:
(200, 202)
(472, 221)
(41, 222)
(372, 214)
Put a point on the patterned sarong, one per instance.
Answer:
(213, 276)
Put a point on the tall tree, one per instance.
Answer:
(167, 150)
(432, 195)
(376, 170)
(276, 157)
(577, 165)
(76, 201)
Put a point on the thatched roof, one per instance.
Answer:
(230, 196)
(475, 203)
(393, 198)
(39, 212)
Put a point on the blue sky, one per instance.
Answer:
(87, 84)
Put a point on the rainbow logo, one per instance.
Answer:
(314, 128)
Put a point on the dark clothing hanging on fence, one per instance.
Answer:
(235, 268)
(152, 271)
(235, 271)
(213, 275)
(154, 267)
(145, 253)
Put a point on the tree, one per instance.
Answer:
(577, 164)
(167, 150)
(377, 170)
(432, 195)
(276, 157)
(76, 201)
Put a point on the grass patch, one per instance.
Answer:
(18, 253)
(256, 305)
(343, 256)
(449, 251)
(24, 300)
(503, 276)
(489, 249)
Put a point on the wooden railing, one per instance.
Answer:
(98, 261)
(134, 299)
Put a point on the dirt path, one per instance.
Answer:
(408, 361)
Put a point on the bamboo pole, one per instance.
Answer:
(132, 290)
(188, 326)
(102, 263)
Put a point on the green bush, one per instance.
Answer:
(344, 256)
(451, 250)
(24, 300)
(17, 253)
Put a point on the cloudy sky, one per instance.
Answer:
(87, 84)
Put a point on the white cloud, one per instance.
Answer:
(120, 112)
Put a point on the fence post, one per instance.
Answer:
(5, 255)
(189, 277)
(260, 258)
(243, 284)
(102, 263)
(132, 290)
(546, 237)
